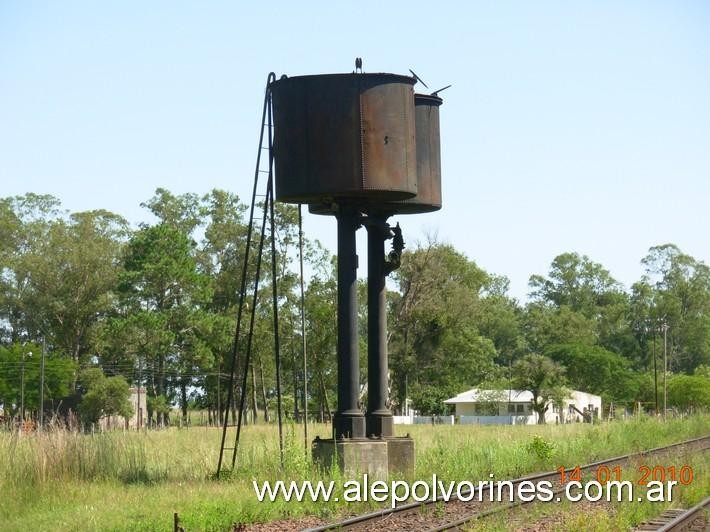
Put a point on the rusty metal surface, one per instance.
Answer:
(428, 137)
(428, 142)
(344, 137)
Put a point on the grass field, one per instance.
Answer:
(135, 481)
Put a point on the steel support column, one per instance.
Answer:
(348, 421)
(379, 419)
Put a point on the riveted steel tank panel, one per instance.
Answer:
(428, 138)
(344, 137)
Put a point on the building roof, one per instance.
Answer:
(476, 395)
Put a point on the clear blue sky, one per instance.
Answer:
(570, 126)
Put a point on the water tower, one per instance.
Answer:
(360, 147)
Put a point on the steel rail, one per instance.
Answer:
(682, 521)
(415, 506)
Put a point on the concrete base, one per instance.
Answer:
(353, 457)
(376, 457)
(400, 455)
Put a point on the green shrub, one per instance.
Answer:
(540, 448)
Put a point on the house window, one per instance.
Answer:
(511, 408)
(520, 408)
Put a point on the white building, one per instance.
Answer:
(514, 407)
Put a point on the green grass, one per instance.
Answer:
(135, 481)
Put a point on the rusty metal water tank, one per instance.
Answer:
(346, 137)
(428, 139)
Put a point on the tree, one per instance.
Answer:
(544, 378)
(58, 272)
(545, 326)
(222, 252)
(183, 212)
(16, 359)
(10, 284)
(433, 342)
(596, 370)
(579, 301)
(689, 391)
(502, 322)
(163, 296)
(103, 396)
(681, 297)
(321, 332)
(576, 282)
(221, 258)
(429, 400)
(71, 277)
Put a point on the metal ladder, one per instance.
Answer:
(241, 367)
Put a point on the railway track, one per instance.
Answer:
(677, 520)
(458, 514)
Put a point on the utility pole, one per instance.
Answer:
(406, 394)
(303, 336)
(219, 392)
(665, 367)
(41, 384)
(139, 411)
(22, 390)
(655, 370)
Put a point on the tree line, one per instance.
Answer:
(455, 327)
(155, 306)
